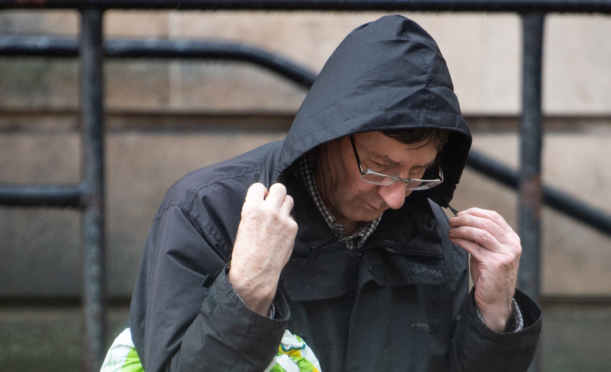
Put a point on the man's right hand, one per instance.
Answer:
(263, 245)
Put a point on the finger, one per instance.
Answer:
(480, 223)
(277, 193)
(478, 252)
(492, 215)
(287, 206)
(256, 192)
(482, 237)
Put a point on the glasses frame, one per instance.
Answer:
(394, 178)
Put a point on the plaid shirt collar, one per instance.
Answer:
(304, 173)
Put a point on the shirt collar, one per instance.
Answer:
(303, 171)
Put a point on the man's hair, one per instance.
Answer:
(416, 135)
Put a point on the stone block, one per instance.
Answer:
(48, 339)
(577, 55)
(27, 84)
(574, 340)
(136, 24)
(231, 87)
(46, 84)
(40, 158)
(137, 85)
(39, 22)
(40, 253)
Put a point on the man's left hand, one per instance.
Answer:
(495, 255)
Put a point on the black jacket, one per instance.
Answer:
(400, 303)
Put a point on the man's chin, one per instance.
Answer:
(370, 213)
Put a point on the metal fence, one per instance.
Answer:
(91, 50)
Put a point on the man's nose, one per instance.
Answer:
(394, 195)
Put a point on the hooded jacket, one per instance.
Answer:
(399, 303)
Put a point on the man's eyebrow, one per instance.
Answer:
(384, 158)
(388, 161)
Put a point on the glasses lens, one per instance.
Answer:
(377, 179)
(389, 180)
(423, 185)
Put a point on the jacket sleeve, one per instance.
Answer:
(475, 347)
(185, 315)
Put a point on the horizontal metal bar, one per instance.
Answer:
(40, 196)
(190, 49)
(576, 209)
(573, 6)
(560, 201)
(38, 46)
(493, 169)
(28, 46)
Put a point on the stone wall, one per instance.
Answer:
(166, 118)
(39, 99)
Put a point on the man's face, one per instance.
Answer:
(352, 200)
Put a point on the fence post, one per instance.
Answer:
(92, 187)
(530, 159)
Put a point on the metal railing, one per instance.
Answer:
(91, 50)
(69, 196)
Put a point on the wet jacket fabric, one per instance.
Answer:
(399, 303)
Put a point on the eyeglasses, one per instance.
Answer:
(380, 179)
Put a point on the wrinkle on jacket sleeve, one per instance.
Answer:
(178, 324)
(476, 347)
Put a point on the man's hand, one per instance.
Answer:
(495, 255)
(263, 245)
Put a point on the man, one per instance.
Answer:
(336, 234)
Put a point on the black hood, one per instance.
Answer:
(387, 74)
